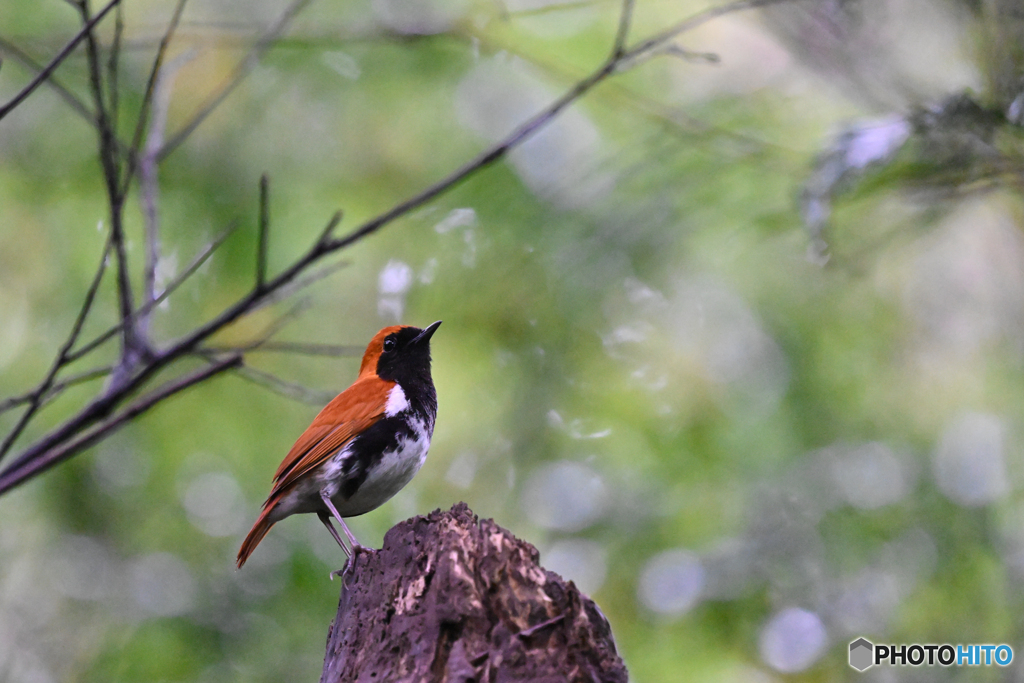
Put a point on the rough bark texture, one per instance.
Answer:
(453, 599)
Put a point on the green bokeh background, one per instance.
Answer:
(638, 355)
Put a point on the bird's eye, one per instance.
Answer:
(389, 344)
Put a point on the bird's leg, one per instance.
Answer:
(344, 527)
(356, 547)
(351, 537)
(326, 519)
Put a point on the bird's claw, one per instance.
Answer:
(350, 564)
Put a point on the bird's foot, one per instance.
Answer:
(350, 564)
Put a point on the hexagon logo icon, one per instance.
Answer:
(861, 654)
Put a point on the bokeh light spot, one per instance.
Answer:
(792, 640)
(580, 560)
(214, 504)
(163, 585)
(672, 582)
(564, 495)
(969, 461)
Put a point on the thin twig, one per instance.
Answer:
(147, 98)
(272, 295)
(72, 100)
(308, 349)
(282, 321)
(118, 391)
(37, 395)
(291, 390)
(526, 129)
(483, 160)
(56, 389)
(131, 346)
(23, 470)
(263, 234)
(263, 342)
(690, 55)
(149, 187)
(328, 231)
(691, 23)
(672, 50)
(536, 9)
(263, 337)
(243, 69)
(622, 35)
(149, 190)
(113, 70)
(56, 61)
(97, 410)
(197, 263)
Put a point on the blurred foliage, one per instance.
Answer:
(749, 457)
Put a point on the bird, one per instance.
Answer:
(364, 446)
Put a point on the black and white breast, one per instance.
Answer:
(383, 459)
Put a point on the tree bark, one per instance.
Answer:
(452, 599)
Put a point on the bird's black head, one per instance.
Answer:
(405, 354)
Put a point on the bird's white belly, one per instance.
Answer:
(388, 475)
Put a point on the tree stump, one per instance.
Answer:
(453, 599)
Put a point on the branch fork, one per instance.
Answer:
(141, 358)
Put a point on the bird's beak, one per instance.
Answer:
(425, 335)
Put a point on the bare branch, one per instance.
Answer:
(283, 285)
(690, 55)
(528, 10)
(291, 390)
(113, 70)
(267, 334)
(196, 264)
(43, 75)
(147, 99)
(673, 50)
(274, 295)
(689, 24)
(159, 101)
(325, 235)
(55, 390)
(149, 190)
(94, 421)
(483, 160)
(97, 410)
(72, 100)
(24, 469)
(625, 19)
(39, 393)
(132, 348)
(243, 69)
(309, 349)
(121, 388)
(529, 127)
(264, 229)
(263, 340)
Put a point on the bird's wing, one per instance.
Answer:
(349, 414)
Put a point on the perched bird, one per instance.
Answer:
(365, 445)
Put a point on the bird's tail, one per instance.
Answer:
(258, 531)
